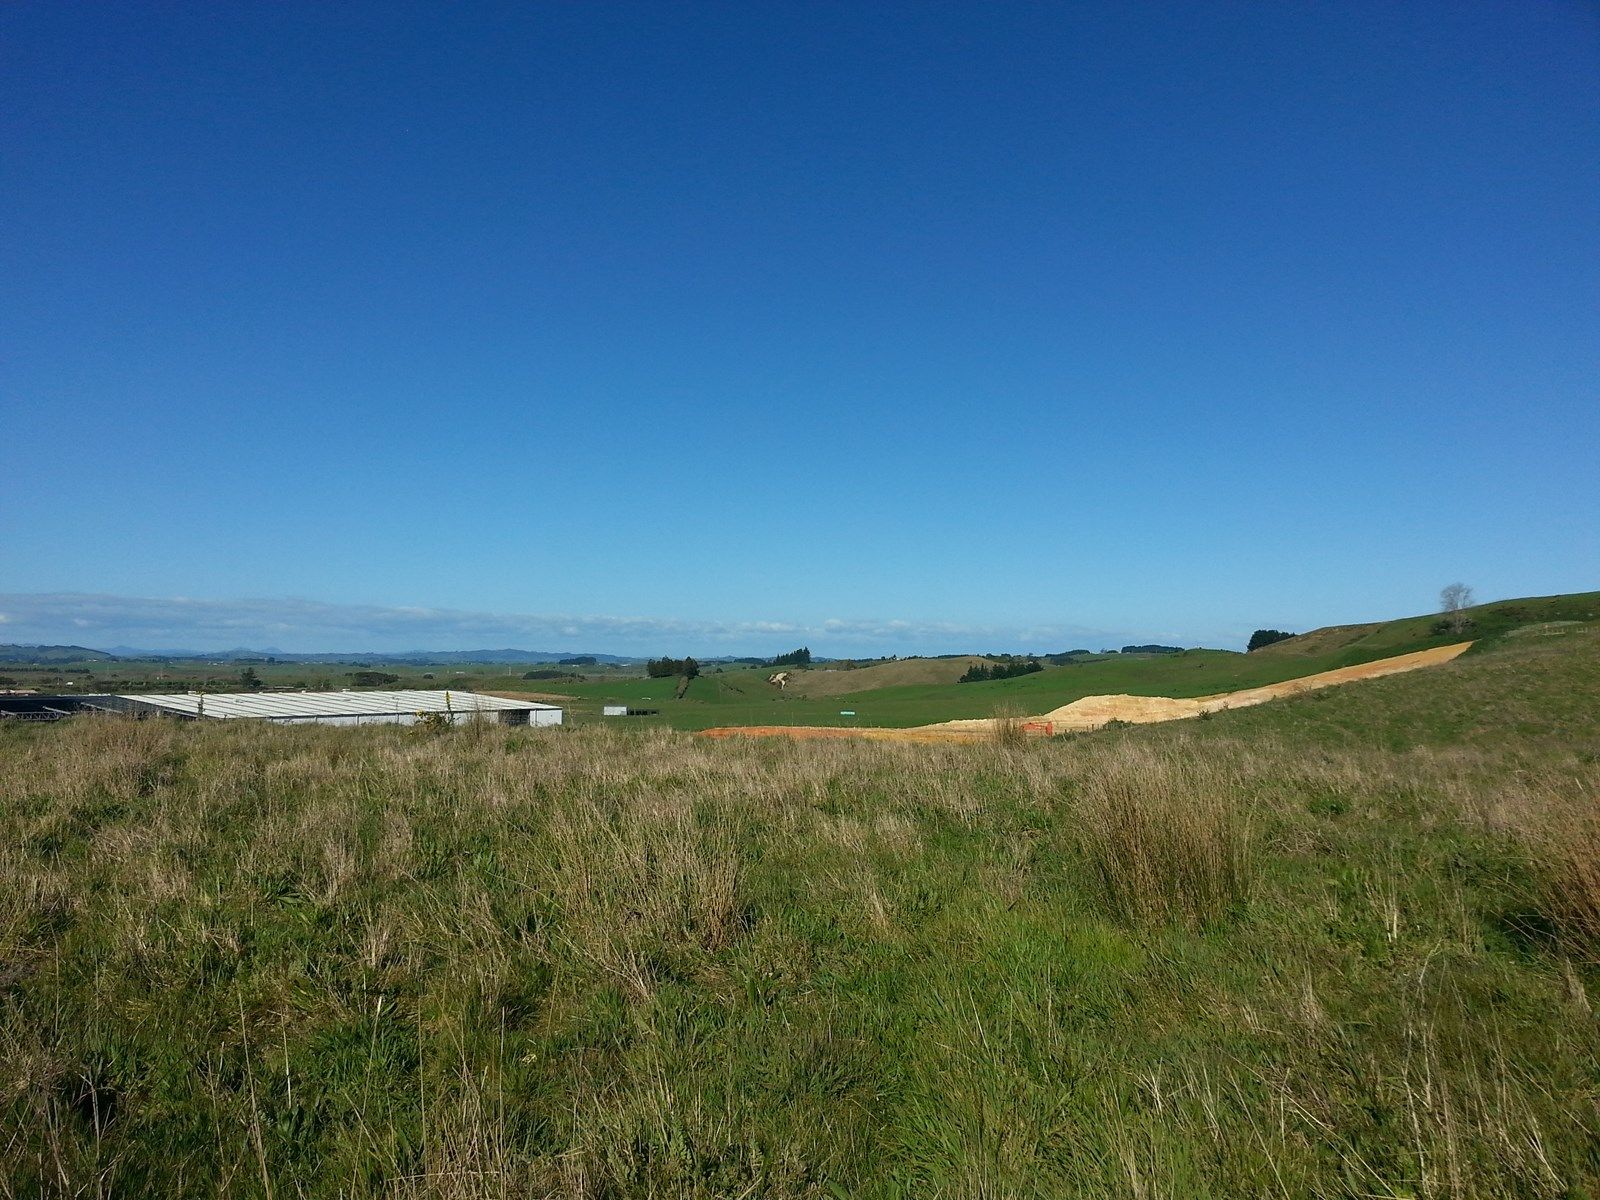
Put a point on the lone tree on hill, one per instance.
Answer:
(1454, 600)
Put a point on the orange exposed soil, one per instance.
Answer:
(807, 733)
(1092, 712)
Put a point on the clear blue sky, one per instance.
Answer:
(640, 326)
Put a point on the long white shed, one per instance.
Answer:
(343, 708)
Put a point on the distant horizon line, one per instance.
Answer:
(550, 657)
(230, 625)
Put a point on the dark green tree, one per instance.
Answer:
(1265, 637)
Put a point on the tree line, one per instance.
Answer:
(665, 668)
(984, 672)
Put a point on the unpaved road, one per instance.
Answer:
(1092, 712)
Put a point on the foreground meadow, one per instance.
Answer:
(1340, 946)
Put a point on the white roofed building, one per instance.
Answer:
(339, 708)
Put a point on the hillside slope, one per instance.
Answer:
(902, 673)
(1379, 639)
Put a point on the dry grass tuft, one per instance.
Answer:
(1167, 837)
(1561, 827)
(1007, 728)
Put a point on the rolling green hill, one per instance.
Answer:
(829, 681)
(923, 691)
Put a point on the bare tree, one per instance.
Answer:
(1454, 600)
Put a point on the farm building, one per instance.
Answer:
(308, 708)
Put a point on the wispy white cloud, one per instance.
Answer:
(181, 622)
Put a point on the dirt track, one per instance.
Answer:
(1092, 712)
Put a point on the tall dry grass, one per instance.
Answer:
(1167, 836)
(1557, 817)
(1006, 728)
(592, 962)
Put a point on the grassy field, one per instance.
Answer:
(745, 697)
(1344, 945)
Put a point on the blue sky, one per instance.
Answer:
(716, 328)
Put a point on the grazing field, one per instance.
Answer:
(1344, 944)
(1096, 712)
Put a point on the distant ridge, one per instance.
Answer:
(12, 653)
(44, 654)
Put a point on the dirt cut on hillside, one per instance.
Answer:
(1094, 712)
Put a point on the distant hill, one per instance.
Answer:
(890, 674)
(50, 654)
(420, 658)
(1490, 622)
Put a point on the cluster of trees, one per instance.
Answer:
(1010, 669)
(580, 660)
(1265, 637)
(665, 668)
(1152, 649)
(795, 658)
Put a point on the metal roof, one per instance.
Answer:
(332, 704)
(39, 706)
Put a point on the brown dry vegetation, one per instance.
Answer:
(831, 681)
(1231, 957)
